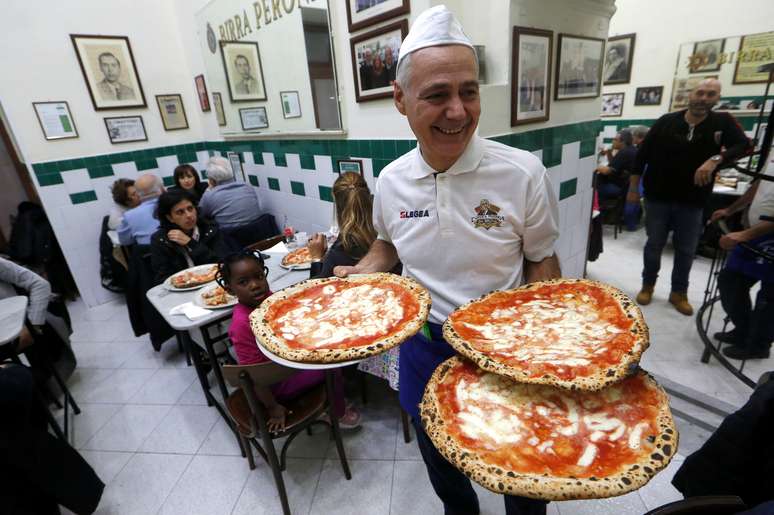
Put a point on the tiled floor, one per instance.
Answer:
(148, 433)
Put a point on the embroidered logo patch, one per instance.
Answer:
(486, 215)
(417, 213)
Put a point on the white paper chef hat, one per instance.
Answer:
(434, 27)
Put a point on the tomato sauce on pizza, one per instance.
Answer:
(300, 256)
(537, 429)
(567, 329)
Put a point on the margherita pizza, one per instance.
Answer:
(571, 333)
(298, 257)
(333, 320)
(544, 442)
(195, 276)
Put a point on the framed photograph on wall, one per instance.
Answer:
(618, 59)
(236, 166)
(364, 13)
(578, 67)
(55, 120)
(746, 71)
(531, 75)
(681, 89)
(201, 92)
(172, 112)
(649, 96)
(220, 114)
(612, 104)
(244, 71)
(374, 60)
(291, 105)
(349, 165)
(109, 70)
(706, 56)
(253, 118)
(125, 129)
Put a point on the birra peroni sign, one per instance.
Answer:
(259, 14)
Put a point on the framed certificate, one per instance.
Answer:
(291, 106)
(253, 118)
(125, 129)
(172, 112)
(55, 120)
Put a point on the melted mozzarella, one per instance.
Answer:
(635, 437)
(589, 453)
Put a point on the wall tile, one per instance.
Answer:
(253, 180)
(567, 189)
(297, 188)
(274, 184)
(307, 162)
(84, 196)
(50, 179)
(326, 193)
(323, 164)
(76, 180)
(280, 159)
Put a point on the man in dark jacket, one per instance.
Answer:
(681, 152)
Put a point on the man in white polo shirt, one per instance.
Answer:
(464, 215)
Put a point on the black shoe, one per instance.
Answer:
(737, 352)
(727, 337)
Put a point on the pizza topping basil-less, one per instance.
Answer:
(300, 256)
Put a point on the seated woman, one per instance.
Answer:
(243, 274)
(352, 200)
(125, 197)
(183, 240)
(187, 179)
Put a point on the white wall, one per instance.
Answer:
(663, 25)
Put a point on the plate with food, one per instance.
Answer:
(298, 259)
(191, 278)
(336, 319)
(570, 333)
(215, 297)
(544, 442)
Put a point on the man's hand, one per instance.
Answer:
(720, 214)
(632, 197)
(25, 339)
(317, 246)
(345, 271)
(732, 239)
(179, 237)
(603, 170)
(703, 175)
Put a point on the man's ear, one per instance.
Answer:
(399, 97)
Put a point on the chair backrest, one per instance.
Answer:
(261, 374)
(704, 505)
(267, 243)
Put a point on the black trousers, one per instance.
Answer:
(754, 326)
(454, 488)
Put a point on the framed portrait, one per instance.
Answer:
(55, 120)
(291, 105)
(125, 129)
(578, 67)
(612, 104)
(109, 70)
(706, 56)
(220, 114)
(748, 59)
(531, 80)
(349, 165)
(244, 72)
(201, 92)
(172, 112)
(618, 59)
(375, 59)
(253, 118)
(364, 13)
(648, 96)
(681, 89)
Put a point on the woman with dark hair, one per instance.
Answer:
(187, 179)
(183, 240)
(125, 197)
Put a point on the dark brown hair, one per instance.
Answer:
(120, 191)
(182, 170)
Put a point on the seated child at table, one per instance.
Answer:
(244, 275)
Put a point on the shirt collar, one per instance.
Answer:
(467, 162)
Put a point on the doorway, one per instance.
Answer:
(15, 183)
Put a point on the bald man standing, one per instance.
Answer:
(140, 223)
(681, 152)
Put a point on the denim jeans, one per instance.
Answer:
(685, 222)
(454, 488)
(754, 327)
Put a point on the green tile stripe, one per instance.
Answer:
(747, 121)
(307, 162)
(298, 188)
(568, 188)
(253, 180)
(274, 184)
(84, 196)
(326, 193)
(168, 181)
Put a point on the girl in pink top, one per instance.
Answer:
(244, 275)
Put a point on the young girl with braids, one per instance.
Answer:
(244, 275)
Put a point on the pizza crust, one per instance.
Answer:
(276, 344)
(596, 381)
(543, 486)
(289, 259)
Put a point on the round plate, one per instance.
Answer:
(199, 299)
(301, 266)
(303, 366)
(168, 281)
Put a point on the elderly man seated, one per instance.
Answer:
(139, 223)
(233, 205)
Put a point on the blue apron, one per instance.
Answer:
(745, 262)
(419, 357)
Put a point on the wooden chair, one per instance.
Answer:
(705, 505)
(267, 243)
(251, 417)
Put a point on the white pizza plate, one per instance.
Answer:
(303, 366)
(199, 299)
(302, 266)
(200, 268)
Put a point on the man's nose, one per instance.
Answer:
(455, 109)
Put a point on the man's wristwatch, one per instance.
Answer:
(717, 158)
